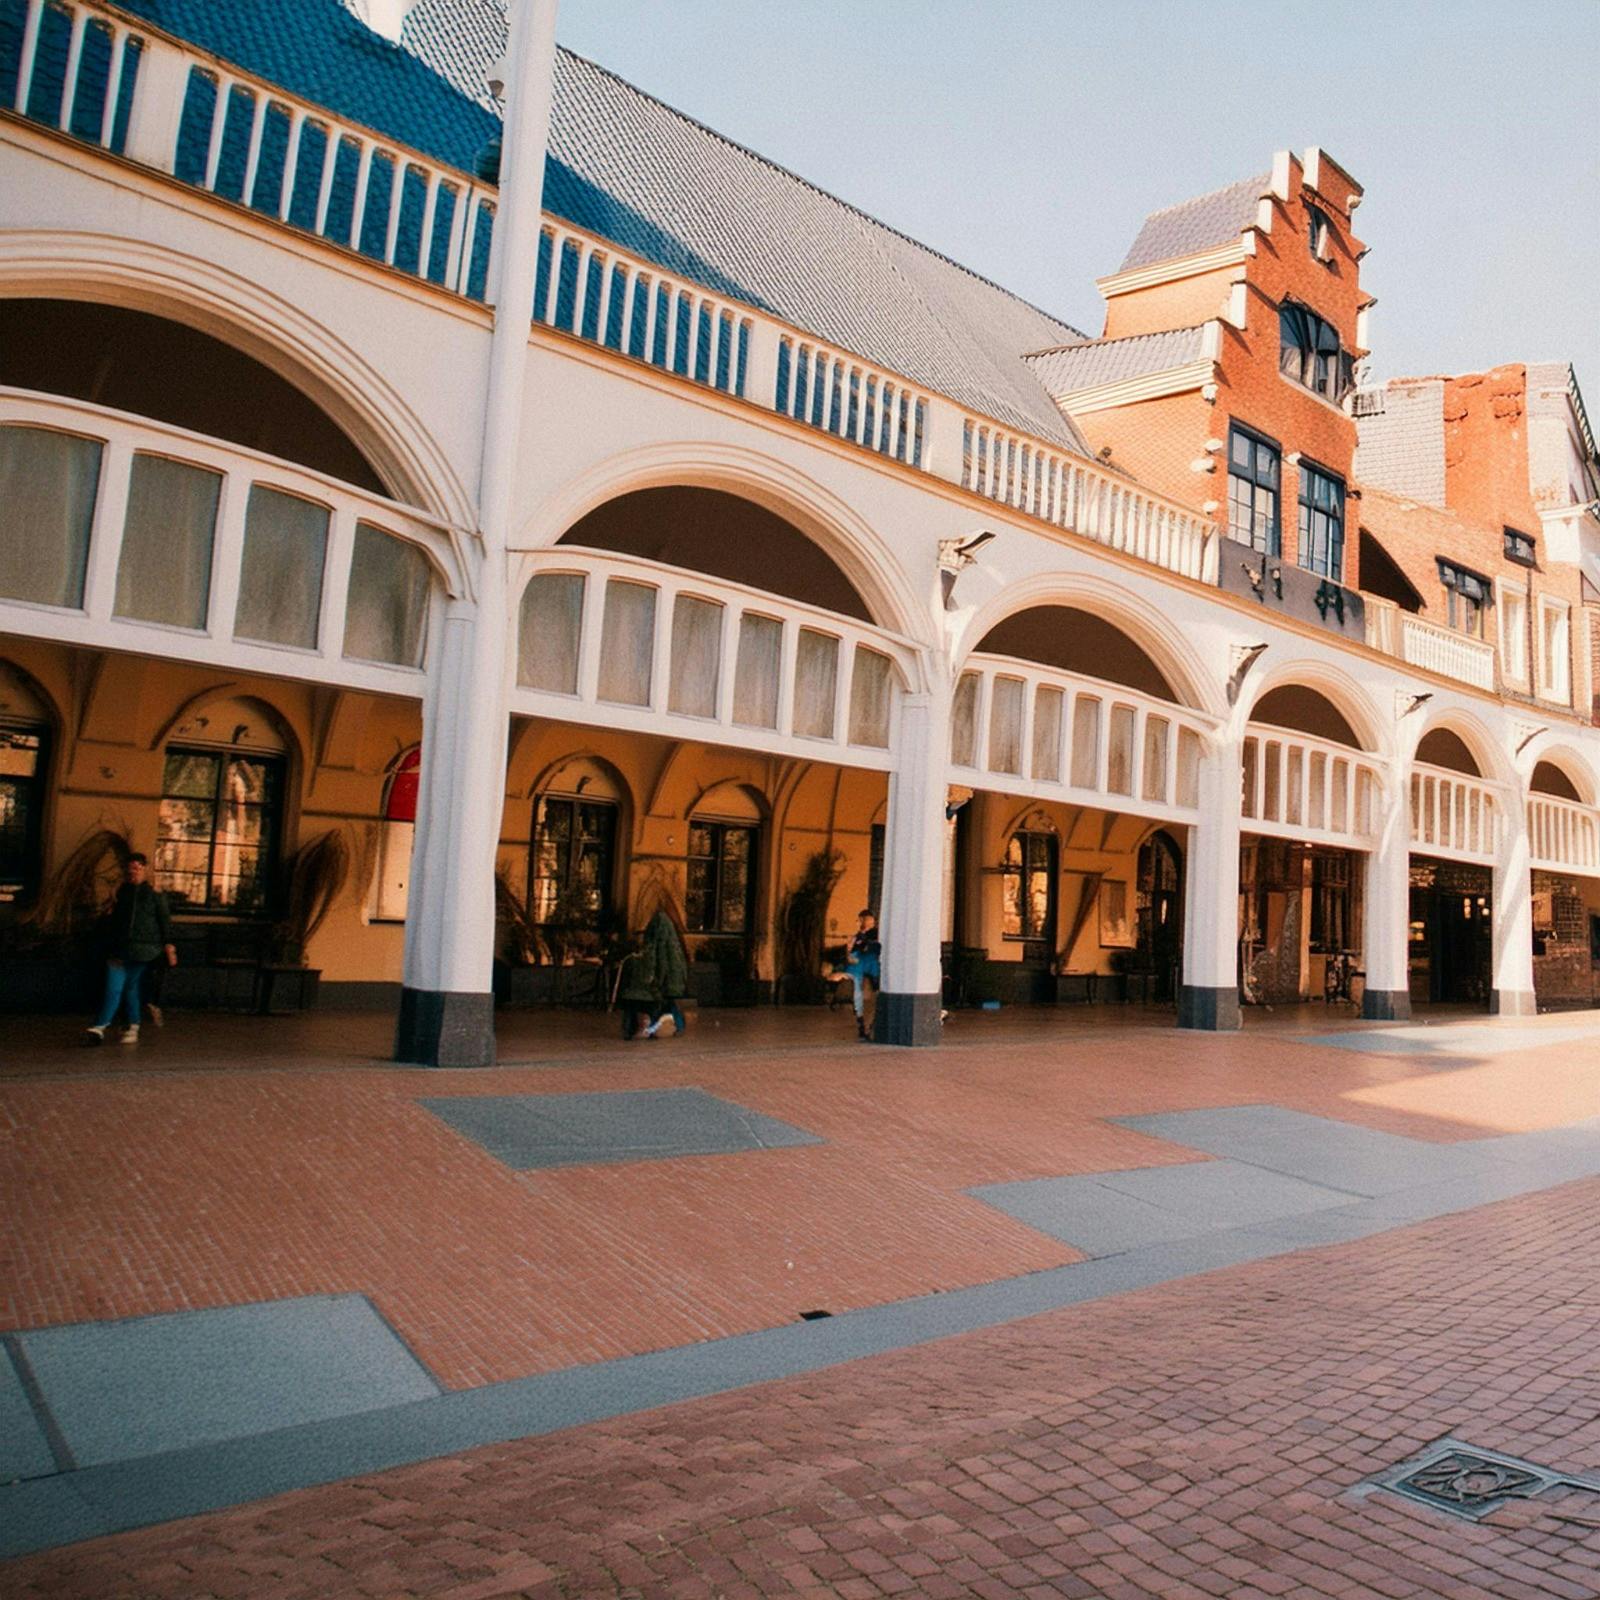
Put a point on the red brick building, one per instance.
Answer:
(1232, 330)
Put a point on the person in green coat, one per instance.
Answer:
(671, 964)
(638, 992)
(139, 932)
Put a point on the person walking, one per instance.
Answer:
(139, 931)
(861, 965)
(665, 944)
(638, 992)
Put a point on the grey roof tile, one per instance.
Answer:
(1085, 366)
(634, 170)
(1195, 225)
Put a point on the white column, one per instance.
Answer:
(1387, 918)
(447, 1001)
(1209, 996)
(913, 870)
(1511, 990)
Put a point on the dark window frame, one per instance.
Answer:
(1319, 226)
(577, 845)
(712, 891)
(1030, 931)
(1322, 524)
(1520, 548)
(1253, 483)
(1311, 354)
(1468, 596)
(275, 768)
(22, 844)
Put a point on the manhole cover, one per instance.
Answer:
(1469, 1482)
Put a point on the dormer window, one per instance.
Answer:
(1320, 234)
(1519, 548)
(1310, 354)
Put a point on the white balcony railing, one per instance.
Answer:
(1298, 787)
(1030, 730)
(1453, 815)
(1452, 655)
(1563, 835)
(622, 643)
(1074, 494)
(128, 534)
(90, 70)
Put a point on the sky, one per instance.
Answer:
(1027, 141)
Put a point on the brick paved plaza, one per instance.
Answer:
(1369, 1245)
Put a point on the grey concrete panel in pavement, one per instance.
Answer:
(24, 1450)
(119, 1390)
(530, 1131)
(1456, 1039)
(1338, 1155)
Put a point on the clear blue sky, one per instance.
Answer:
(1027, 140)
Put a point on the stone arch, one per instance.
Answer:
(1561, 771)
(262, 324)
(1190, 682)
(216, 716)
(866, 559)
(1347, 698)
(1304, 710)
(23, 699)
(1474, 736)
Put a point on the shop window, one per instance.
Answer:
(1321, 522)
(1519, 548)
(574, 854)
(1028, 888)
(1332, 905)
(1468, 595)
(397, 835)
(721, 896)
(48, 483)
(23, 752)
(1309, 353)
(1253, 472)
(218, 831)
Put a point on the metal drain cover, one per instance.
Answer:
(1468, 1482)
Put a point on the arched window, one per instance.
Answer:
(221, 819)
(396, 834)
(1028, 887)
(574, 858)
(723, 853)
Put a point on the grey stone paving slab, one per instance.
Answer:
(1337, 1155)
(24, 1450)
(121, 1390)
(1105, 1213)
(1454, 1039)
(530, 1131)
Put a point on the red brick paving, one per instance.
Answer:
(187, 1175)
(1193, 1440)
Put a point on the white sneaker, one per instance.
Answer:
(130, 1034)
(94, 1035)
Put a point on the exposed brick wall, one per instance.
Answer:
(1157, 441)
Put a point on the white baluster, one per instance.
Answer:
(398, 168)
(602, 322)
(108, 114)
(792, 346)
(252, 160)
(469, 237)
(625, 337)
(652, 295)
(691, 358)
(69, 86)
(363, 179)
(291, 163)
(30, 51)
(219, 122)
(330, 161)
(552, 288)
(430, 212)
(580, 295)
(671, 362)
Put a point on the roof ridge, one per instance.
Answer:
(1125, 338)
(1210, 194)
(816, 188)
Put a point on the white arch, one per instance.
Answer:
(1337, 686)
(1197, 685)
(862, 554)
(1549, 745)
(1494, 764)
(277, 332)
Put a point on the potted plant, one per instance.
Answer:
(311, 880)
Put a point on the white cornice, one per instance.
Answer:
(1147, 386)
(1223, 255)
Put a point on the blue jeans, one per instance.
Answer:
(859, 979)
(122, 987)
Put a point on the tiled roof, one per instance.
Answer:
(1195, 225)
(656, 182)
(1086, 366)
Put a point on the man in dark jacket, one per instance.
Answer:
(139, 931)
(671, 972)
